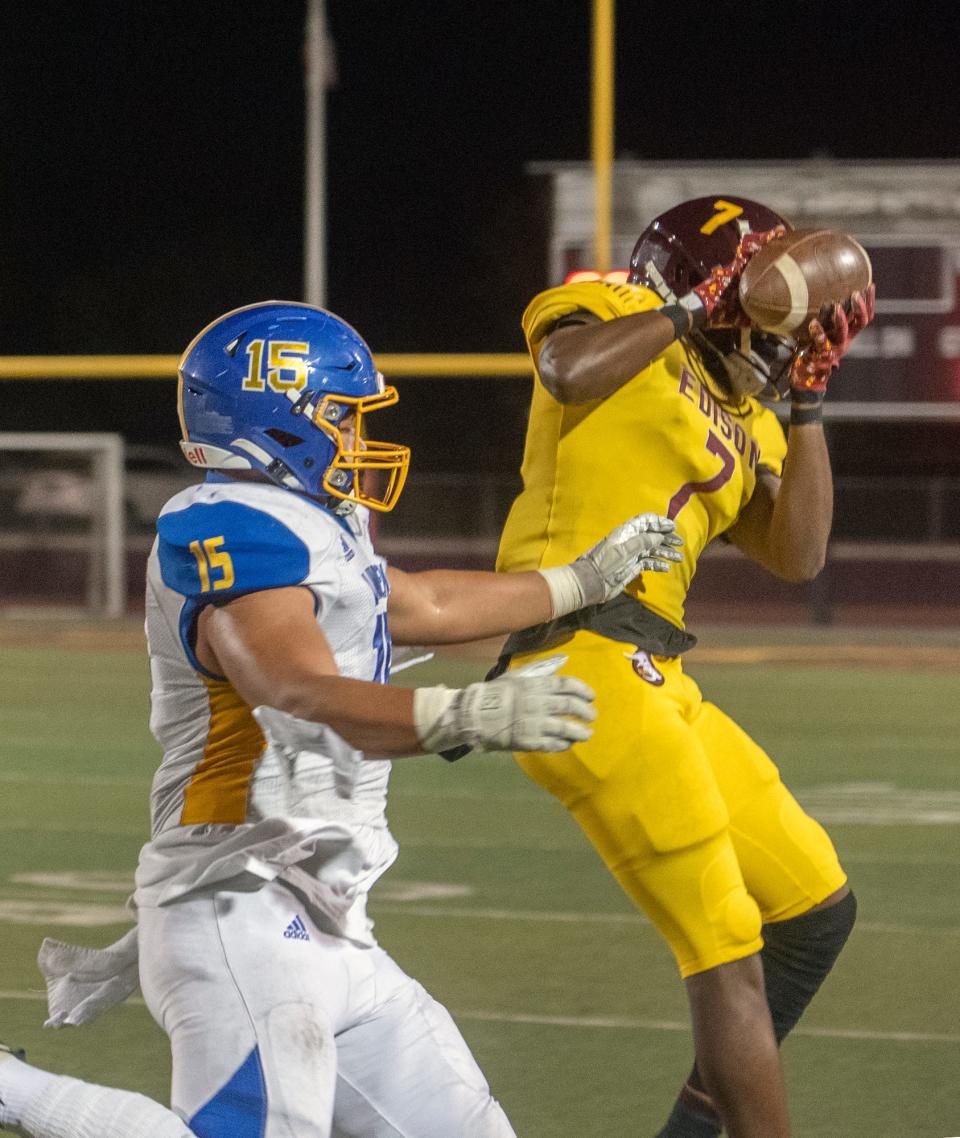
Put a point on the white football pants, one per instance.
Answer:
(279, 1030)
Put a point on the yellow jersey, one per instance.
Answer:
(669, 441)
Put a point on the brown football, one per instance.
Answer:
(787, 282)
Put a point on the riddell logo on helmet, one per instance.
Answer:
(196, 456)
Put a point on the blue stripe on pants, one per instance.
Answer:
(239, 1108)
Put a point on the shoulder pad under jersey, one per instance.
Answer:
(216, 550)
(606, 299)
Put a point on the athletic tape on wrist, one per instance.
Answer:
(432, 718)
(566, 592)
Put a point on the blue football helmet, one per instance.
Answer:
(268, 388)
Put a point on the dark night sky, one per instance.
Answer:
(152, 153)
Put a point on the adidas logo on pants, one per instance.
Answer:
(296, 930)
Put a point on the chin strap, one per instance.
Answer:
(279, 472)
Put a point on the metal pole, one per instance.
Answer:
(315, 157)
(111, 474)
(602, 128)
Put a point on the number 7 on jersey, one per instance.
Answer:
(709, 485)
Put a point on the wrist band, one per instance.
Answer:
(806, 407)
(679, 317)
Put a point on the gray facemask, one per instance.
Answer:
(755, 363)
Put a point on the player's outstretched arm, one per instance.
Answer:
(447, 606)
(271, 649)
(786, 525)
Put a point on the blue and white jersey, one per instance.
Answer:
(246, 795)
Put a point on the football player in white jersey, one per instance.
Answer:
(270, 622)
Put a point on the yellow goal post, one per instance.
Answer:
(425, 365)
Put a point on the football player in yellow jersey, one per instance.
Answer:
(649, 397)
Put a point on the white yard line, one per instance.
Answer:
(61, 903)
(853, 742)
(576, 844)
(627, 1023)
(29, 996)
(412, 842)
(903, 930)
(573, 918)
(13, 827)
(140, 781)
(507, 914)
(619, 1023)
(53, 908)
(865, 858)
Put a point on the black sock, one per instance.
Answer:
(692, 1116)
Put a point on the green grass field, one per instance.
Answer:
(498, 905)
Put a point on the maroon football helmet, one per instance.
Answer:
(679, 248)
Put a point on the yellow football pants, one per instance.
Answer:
(687, 812)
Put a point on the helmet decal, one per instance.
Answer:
(688, 241)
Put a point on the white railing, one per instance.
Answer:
(446, 516)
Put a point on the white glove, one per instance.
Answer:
(644, 543)
(524, 710)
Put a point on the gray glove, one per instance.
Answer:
(647, 542)
(529, 709)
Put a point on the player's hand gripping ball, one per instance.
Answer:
(791, 280)
(719, 293)
(829, 336)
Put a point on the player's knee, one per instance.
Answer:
(741, 918)
(729, 932)
(797, 957)
(714, 919)
(817, 935)
(732, 912)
